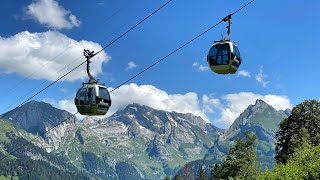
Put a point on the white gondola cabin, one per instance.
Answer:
(92, 98)
(224, 57)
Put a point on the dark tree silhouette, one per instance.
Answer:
(304, 115)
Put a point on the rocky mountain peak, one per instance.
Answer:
(154, 119)
(36, 117)
(287, 112)
(261, 114)
(260, 103)
(89, 120)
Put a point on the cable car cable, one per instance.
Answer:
(39, 135)
(132, 27)
(182, 46)
(11, 153)
(122, 35)
(67, 48)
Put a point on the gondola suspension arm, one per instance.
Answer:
(228, 19)
(88, 55)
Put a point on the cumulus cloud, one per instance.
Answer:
(63, 90)
(43, 55)
(261, 78)
(51, 14)
(238, 102)
(200, 67)
(65, 104)
(145, 95)
(244, 73)
(156, 98)
(225, 108)
(131, 65)
(209, 104)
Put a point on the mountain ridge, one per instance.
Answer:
(146, 142)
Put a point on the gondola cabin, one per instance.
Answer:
(224, 57)
(92, 99)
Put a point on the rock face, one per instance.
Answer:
(263, 120)
(140, 142)
(151, 142)
(260, 114)
(137, 140)
(38, 117)
(32, 161)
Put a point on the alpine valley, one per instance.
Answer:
(137, 142)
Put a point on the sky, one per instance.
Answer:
(41, 40)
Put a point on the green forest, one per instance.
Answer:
(297, 151)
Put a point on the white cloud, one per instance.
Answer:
(153, 97)
(51, 14)
(145, 95)
(244, 73)
(260, 77)
(195, 64)
(237, 103)
(42, 55)
(209, 104)
(225, 108)
(131, 65)
(200, 67)
(65, 104)
(63, 90)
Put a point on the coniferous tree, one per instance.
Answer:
(167, 178)
(304, 115)
(187, 173)
(202, 174)
(241, 161)
(216, 171)
(177, 177)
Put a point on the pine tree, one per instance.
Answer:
(216, 171)
(305, 115)
(177, 177)
(187, 173)
(241, 161)
(202, 174)
(167, 178)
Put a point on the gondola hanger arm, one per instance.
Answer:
(228, 19)
(88, 55)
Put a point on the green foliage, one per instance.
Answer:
(304, 163)
(241, 161)
(187, 172)
(9, 178)
(127, 171)
(301, 140)
(305, 115)
(202, 174)
(167, 178)
(5, 127)
(97, 166)
(25, 168)
(177, 177)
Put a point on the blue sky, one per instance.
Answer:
(278, 41)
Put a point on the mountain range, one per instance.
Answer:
(137, 142)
